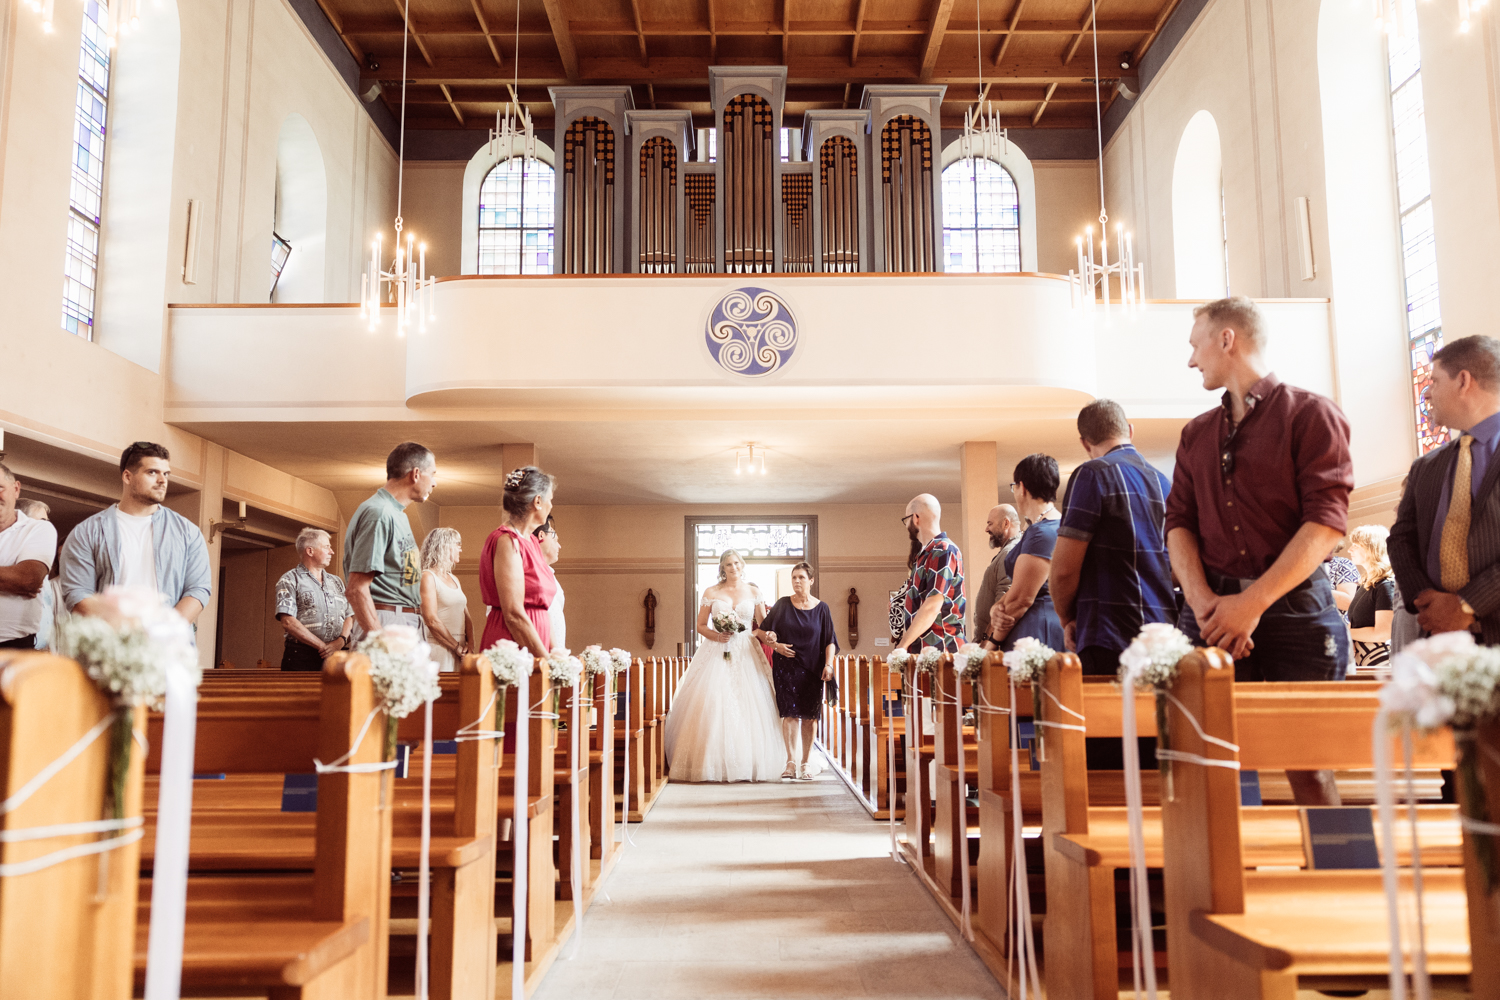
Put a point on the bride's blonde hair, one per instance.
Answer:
(723, 559)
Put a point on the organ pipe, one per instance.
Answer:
(909, 232)
(699, 189)
(749, 153)
(657, 217)
(796, 202)
(588, 197)
(838, 172)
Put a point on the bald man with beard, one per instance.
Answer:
(1003, 526)
(935, 590)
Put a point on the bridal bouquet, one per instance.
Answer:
(128, 651)
(1026, 660)
(403, 673)
(723, 620)
(511, 665)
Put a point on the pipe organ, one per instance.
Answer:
(861, 192)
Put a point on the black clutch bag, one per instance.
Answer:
(831, 691)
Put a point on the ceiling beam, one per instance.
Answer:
(1042, 107)
(936, 29)
(640, 33)
(1015, 20)
(562, 36)
(1083, 31)
(484, 27)
(786, 29)
(859, 26)
(326, 6)
(412, 26)
(448, 94)
(383, 27)
(713, 33)
(1161, 22)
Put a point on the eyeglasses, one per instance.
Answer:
(908, 517)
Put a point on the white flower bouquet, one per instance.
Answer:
(511, 665)
(619, 660)
(927, 659)
(596, 661)
(722, 619)
(128, 650)
(1026, 660)
(968, 660)
(1449, 679)
(403, 673)
(1150, 661)
(898, 660)
(563, 670)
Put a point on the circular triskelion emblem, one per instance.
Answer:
(751, 332)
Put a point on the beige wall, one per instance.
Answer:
(1067, 200)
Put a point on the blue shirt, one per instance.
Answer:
(1486, 436)
(1117, 504)
(92, 552)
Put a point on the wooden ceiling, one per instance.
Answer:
(1037, 55)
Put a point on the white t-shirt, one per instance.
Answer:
(28, 539)
(137, 552)
(559, 623)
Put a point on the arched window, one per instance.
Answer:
(86, 203)
(515, 218)
(1199, 230)
(981, 218)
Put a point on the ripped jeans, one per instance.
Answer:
(1301, 637)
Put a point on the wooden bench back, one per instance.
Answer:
(58, 940)
(1484, 906)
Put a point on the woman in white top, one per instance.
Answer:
(551, 550)
(445, 610)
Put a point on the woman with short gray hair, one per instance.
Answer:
(445, 609)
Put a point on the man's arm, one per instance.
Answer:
(1062, 580)
(357, 593)
(24, 579)
(922, 620)
(1405, 552)
(77, 573)
(1235, 616)
(299, 631)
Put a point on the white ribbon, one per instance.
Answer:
(1385, 795)
(890, 771)
(963, 839)
(174, 822)
(520, 868)
(577, 880)
(339, 767)
(80, 851)
(67, 757)
(625, 799)
(1142, 948)
(475, 730)
(1024, 949)
(424, 889)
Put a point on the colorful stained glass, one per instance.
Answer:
(981, 218)
(779, 540)
(515, 218)
(86, 199)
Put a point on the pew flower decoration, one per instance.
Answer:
(927, 660)
(596, 661)
(563, 670)
(128, 648)
(968, 660)
(1151, 658)
(898, 660)
(1026, 660)
(511, 665)
(1449, 679)
(403, 673)
(619, 659)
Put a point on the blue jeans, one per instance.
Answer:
(1301, 637)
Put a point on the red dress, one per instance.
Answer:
(541, 588)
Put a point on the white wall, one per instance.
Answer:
(301, 216)
(1197, 211)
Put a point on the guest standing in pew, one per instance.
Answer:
(1003, 526)
(311, 607)
(1445, 545)
(381, 562)
(800, 631)
(138, 543)
(1344, 576)
(934, 593)
(1027, 608)
(27, 545)
(517, 584)
(1373, 608)
(552, 551)
(38, 511)
(1110, 569)
(1260, 496)
(445, 609)
(1404, 626)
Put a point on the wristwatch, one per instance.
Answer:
(1466, 608)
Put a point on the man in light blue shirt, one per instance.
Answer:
(138, 543)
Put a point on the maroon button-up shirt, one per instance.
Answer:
(1291, 467)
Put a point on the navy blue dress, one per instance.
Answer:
(1040, 620)
(798, 680)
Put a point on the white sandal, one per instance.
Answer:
(790, 774)
(804, 773)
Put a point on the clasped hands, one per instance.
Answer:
(1438, 611)
(1227, 621)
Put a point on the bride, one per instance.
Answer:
(723, 724)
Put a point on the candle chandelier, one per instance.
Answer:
(120, 17)
(406, 283)
(741, 467)
(1093, 276)
(983, 137)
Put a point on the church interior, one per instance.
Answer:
(743, 276)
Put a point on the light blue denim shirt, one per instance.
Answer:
(92, 552)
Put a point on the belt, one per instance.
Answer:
(397, 608)
(1222, 585)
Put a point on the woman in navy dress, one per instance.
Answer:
(1026, 609)
(800, 630)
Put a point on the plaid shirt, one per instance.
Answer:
(939, 569)
(1117, 504)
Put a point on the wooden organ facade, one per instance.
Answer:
(639, 193)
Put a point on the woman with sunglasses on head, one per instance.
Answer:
(1026, 609)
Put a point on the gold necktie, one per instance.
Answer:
(1453, 556)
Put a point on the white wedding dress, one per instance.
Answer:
(723, 724)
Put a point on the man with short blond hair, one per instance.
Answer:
(311, 607)
(27, 547)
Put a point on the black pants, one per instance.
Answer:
(19, 642)
(300, 656)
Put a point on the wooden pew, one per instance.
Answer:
(602, 757)
(632, 728)
(920, 752)
(1238, 934)
(1484, 906)
(571, 778)
(952, 775)
(309, 936)
(60, 938)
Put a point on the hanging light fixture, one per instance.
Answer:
(513, 122)
(741, 466)
(409, 287)
(983, 137)
(1095, 274)
(120, 17)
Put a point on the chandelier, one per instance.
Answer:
(1094, 274)
(513, 129)
(983, 137)
(406, 283)
(740, 466)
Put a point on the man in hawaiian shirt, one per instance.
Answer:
(935, 591)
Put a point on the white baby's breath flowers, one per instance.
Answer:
(1026, 660)
(401, 668)
(1445, 679)
(563, 668)
(619, 659)
(1151, 659)
(130, 650)
(595, 661)
(968, 660)
(897, 660)
(509, 663)
(927, 660)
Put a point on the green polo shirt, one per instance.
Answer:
(380, 542)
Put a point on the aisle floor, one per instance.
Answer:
(765, 890)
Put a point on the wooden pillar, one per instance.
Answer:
(950, 827)
(981, 492)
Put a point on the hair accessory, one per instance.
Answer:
(513, 480)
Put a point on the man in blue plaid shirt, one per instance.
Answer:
(935, 592)
(1110, 571)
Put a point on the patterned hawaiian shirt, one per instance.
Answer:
(939, 569)
(321, 607)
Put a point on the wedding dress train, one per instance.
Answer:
(723, 724)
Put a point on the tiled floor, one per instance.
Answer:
(764, 891)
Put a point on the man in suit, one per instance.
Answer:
(1445, 546)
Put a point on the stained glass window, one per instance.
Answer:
(1424, 322)
(773, 540)
(515, 218)
(981, 218)
(85, 207)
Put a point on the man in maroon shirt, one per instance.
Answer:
(1260, 496)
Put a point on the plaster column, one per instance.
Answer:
(516, 456)
(211, 508)
(980, 492)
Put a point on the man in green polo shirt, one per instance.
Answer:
(381, 559)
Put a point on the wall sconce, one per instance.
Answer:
(741, 466)
(214, 527)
